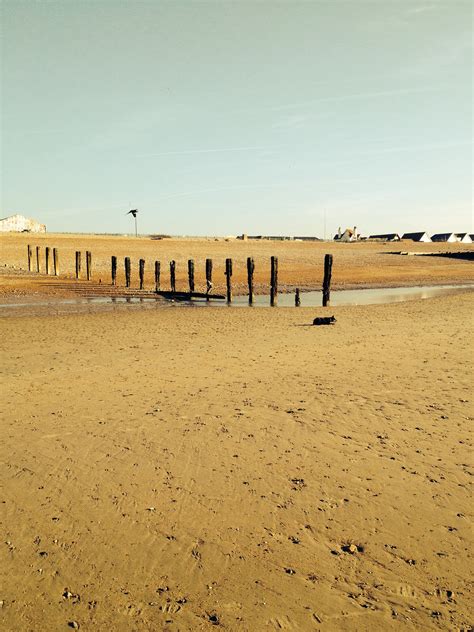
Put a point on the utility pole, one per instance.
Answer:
(134, 212)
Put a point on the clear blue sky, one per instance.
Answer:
(224, 118)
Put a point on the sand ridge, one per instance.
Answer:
(238, 469)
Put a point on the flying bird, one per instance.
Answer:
(132, 212)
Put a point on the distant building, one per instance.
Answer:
(21, 224)
(464, 238)
(350, 234)
(447, 237)
(416, 236)
(387, 237)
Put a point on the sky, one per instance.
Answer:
(222, 118)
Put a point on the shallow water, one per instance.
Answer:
(370, 296)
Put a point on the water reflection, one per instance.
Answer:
(371, 296)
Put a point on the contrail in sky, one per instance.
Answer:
(213, 150)
(357, 96)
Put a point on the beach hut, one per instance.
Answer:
(447, 237)
(416, 237)
(464, 238)
(20, 224)
(386, 237)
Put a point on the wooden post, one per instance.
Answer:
(88, 265)
(191, 274)
(327, 279)
(114, 270)
(274, 281)
(173, 275)
(141, 272)
(297, 298)
(127, 271)
(208, 276)
(30, 258)
(47, 255)
(78, 264)
(228, 275)
(38, 267)
(56, 261)
(250, 271)
(157, 275)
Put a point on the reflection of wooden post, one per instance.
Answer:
(173, 275)
(250, 271)
(78, 264)
(327, 279)
(114, 270)
(191, 275)
(228, 275)
(88, 265)
(274, 281)
(47, 254)
(127, 271)
(157, 275)
(38, 267)
(297, 298)
(30, 258)
(208, 277)
(56, 261)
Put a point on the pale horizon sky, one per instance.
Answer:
(238, 117)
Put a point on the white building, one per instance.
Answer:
(348, 235)
(464, 238)
(21, 224)
(416, 236)
(447, 237)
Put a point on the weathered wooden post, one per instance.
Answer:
(38, 267)
(30, 258)
(173, 275)
(141, 272)
(113, 262)
(327, 279)
(228, 275)
(56, 261)
(191, 275)
(78, 264)
(127, 271)
(208, 277)
(250, 271)
(47, 255)
(157, 275)
(297, 298)
(274, 281)
(88, 265)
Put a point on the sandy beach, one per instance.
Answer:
(358, 265)
(185, 469)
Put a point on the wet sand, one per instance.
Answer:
(239, 469)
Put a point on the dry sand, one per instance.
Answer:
(186, 469)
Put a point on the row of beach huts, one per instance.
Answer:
(351, 234)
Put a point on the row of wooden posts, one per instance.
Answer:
(51, 261)
(52, 267)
